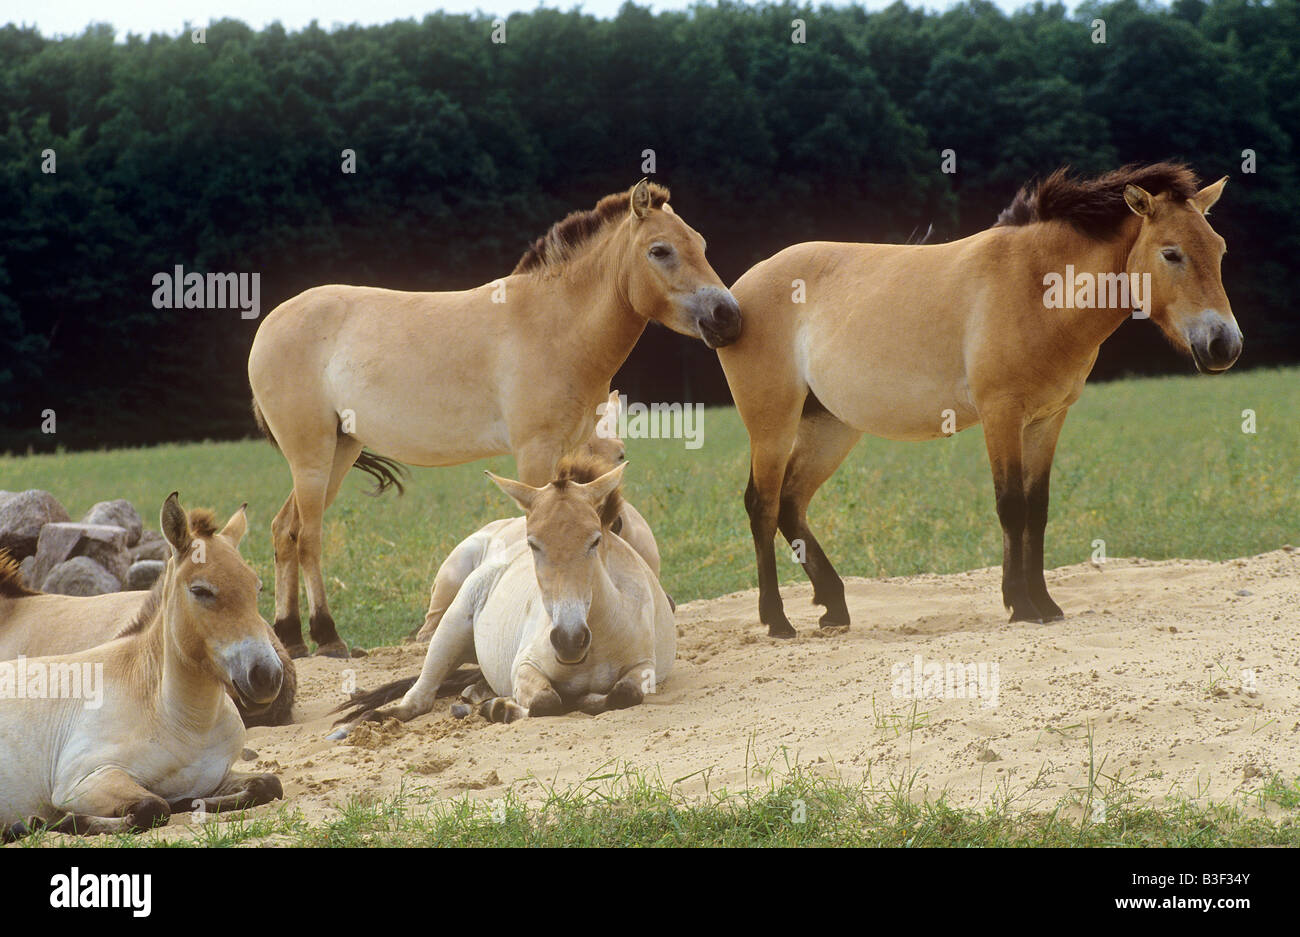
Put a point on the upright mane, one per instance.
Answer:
(12, 584)
(568, 235)
(1095, 206)
(583, 468)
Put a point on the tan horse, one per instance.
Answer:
(160, 733)
(514, 366)
(36, 624)
(916, 342)
(569, 617)
(497, 536)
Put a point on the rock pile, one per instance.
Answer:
(108, 550)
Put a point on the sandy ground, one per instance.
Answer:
(1185, 670)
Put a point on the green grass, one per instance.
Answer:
(623, 806)
(1154, 467)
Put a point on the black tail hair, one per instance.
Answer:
(362, 703)
(385, 471)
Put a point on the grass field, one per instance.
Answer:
(1154, 467)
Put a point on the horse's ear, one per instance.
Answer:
(640, 200)
(174, 524)
(1139, 200)
(598, 489)
(523, 495)
(1204, 200)
(607, 425)
(237, 526)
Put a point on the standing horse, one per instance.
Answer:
(37, 624)
(896, 340)
(567, 617)
(516, 366)
(161, 732)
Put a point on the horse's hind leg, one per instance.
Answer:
(314, 493)
(819, 448)
(284, 540)
(1040, 446)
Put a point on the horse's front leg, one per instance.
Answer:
(534, 696)
(1004, 437)
(630, 690)
(1040, 446)
(237, 792)
(109, 801)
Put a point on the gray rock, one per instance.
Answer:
(80, 576)
(143, 574)
(104, 544)
(152, 546)
(26, 568)
(119, 513)
(21, 518)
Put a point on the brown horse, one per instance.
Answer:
(515, 366)
(919, 341)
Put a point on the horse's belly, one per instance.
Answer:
(897, 407)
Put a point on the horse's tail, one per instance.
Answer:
(361, 704)
(261, 424)
(385, 471)
(13, 585)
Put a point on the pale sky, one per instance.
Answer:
(62, 17)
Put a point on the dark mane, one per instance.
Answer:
(584, 468)
(1095, 206)
(12, 584)
(567, 236)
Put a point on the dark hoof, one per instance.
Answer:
(834, 620)
(1026, 614)
(296, 650)
(781, 630)
(333, 649)
(1049, 609)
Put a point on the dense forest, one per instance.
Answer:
(227, 155)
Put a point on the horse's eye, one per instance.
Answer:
(660, 251)
(533, 545)
(594, 543)
(1172, 254)
(201, 592)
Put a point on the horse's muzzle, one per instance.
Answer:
(717, 317)
(1215, 345)
(255, 670)
(571, 644)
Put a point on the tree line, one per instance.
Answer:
(229, 155)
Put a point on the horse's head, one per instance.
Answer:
(1182, 253)
(210, 603)
(668, 278)
(604, 443)
(567, 526)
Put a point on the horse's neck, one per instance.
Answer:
(183, 695)
(594, 307)
(1088, 328)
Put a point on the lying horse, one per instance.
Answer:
(569, 617)
(165, 732)
(605, 447)
(35, 624)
